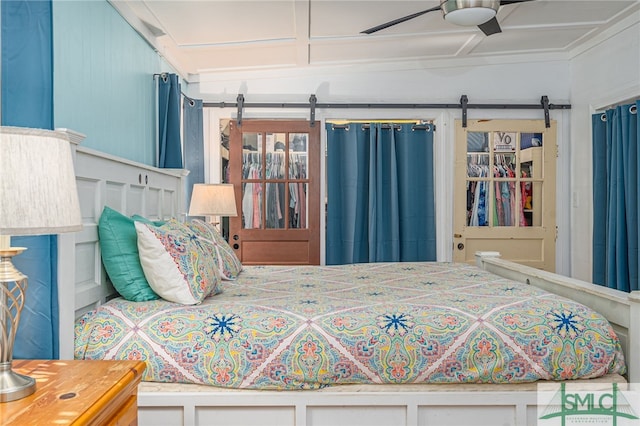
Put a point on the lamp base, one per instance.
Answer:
(14, 386)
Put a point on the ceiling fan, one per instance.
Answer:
(461, 12)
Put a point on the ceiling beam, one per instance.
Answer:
(302, 16)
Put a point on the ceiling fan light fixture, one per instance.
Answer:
(469, 12)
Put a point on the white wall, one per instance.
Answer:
(425, 82)
(504, 80)
(605, 74)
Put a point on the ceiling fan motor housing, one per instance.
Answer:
(469, 12)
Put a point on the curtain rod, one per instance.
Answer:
(464, 104)
(164, 75)
(386, 126)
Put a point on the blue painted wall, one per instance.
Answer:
(103, 79)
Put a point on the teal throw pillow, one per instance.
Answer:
(119, 247)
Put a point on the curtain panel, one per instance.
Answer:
(380, 194)
(27, 101)
(193, 143)
(169, 143)
(616, 205)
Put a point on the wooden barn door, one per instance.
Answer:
(505, 191)
(274, 166)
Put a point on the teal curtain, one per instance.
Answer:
(616, 205)
(193, 143)
(380, 196)
(27, 101)
(169, 98)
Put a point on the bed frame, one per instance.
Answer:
(159, 193)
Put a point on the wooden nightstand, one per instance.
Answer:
(77, 393)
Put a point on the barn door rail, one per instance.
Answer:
(314, 105)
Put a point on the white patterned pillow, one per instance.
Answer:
(178, 265)
(228, 263)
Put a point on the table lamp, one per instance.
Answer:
(38, 196)
(213, 199)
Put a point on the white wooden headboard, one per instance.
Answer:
(126, 186)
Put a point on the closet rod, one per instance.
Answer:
(385, 126)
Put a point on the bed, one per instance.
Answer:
(393, 398)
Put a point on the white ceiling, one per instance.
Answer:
(206, 36)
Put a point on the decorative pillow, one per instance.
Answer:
(177, 264)
(228, 262)
(119, 248)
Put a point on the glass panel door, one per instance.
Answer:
(275, 169)
(504, 187)
(504, 179)
(274, 180)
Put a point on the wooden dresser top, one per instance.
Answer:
(71, 392)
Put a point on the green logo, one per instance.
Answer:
(589, 405)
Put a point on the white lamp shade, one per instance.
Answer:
(38, 193)
(213, 200)
(469, 12)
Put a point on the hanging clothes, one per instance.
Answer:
(477, 213)
(298, 190)
(526, 193)
(274, 192)
(251, 191)
(504, 209)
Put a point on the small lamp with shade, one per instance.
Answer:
(38, 196)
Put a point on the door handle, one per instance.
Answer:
(457, 235)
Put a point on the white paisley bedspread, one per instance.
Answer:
(307, 327)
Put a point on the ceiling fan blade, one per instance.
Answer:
(398, 21)
(503, 2)
(490, 27)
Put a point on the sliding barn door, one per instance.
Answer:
(275, 169)
(505, 191)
